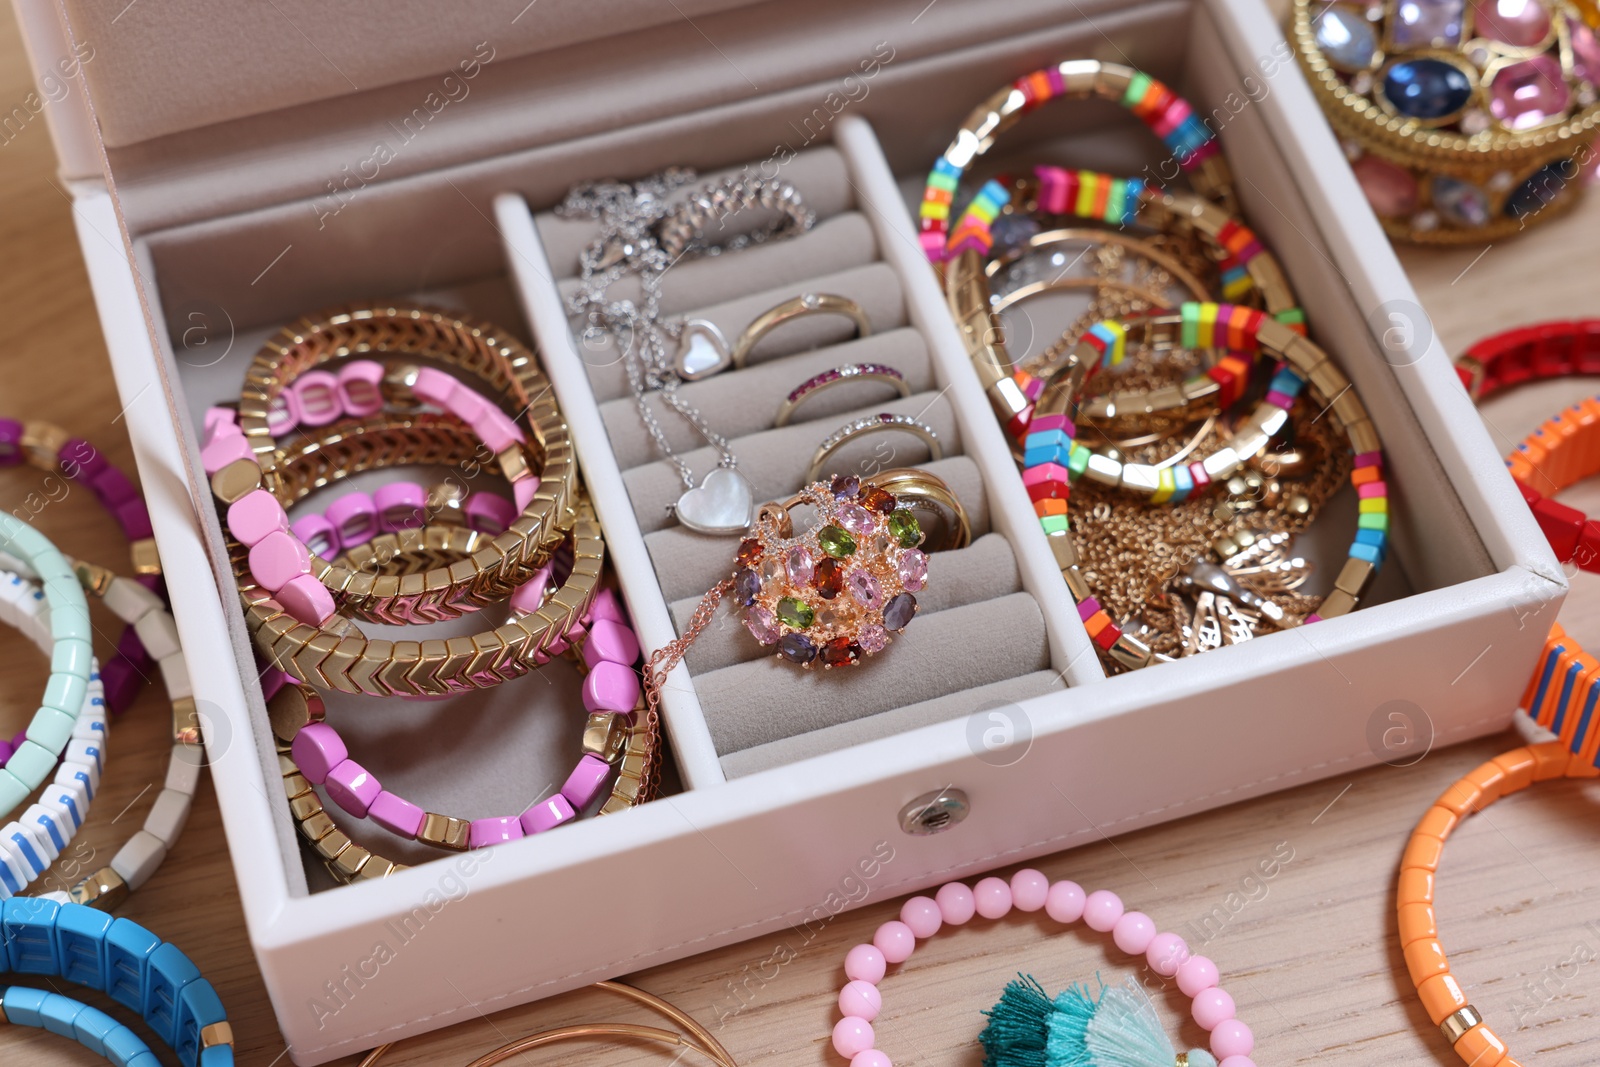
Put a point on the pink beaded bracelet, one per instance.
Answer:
(1062, 1034)
(355, 518)
(281, 562)
(608, 650)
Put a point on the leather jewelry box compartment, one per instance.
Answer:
(276, 180)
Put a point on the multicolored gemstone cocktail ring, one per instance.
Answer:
(837, 591)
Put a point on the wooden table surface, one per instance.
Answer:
(1309, 954)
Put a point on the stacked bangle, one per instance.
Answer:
(345, 659)
(611, 692)
(51, 449)
(1562, 450)
(127, 963)
(71, 664)
(1054, 459)
(245, 458)
(1168, 115)
(1167, 954)
(356, 518)
(31, 844)
(65, 806)
(89, 1027)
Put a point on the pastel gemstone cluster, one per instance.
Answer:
(1065, 902)
(835, 593)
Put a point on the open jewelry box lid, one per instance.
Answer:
(200, 113)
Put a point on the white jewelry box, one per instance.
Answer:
(221, 170)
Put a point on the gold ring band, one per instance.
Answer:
(921, 491)
(851, 372)
(870, 425)
(703, 351)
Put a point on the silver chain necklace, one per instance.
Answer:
(631, 215)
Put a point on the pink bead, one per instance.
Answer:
(434, 387)
(1064, 902)
(317, 393)
(530, 596)
(865, 963)
(254, 516)
(1101, 910)
(317, 749)
(467, 405)
(317, 534)
(1166, 953)
(610, 642)
(992, 897)
(1029, 889)
(278, 559)
(1212, 1006)
(605, 606)
(861, 1000)
(1237, 1061)
(522, 492)
(401, 506)
(360, 393)
(489, 514)
(395, 814)
(352, 787)
(922, 915)
(224, 449)
(1232, 1038)
(307, 599)
(956, 903)
(215, 417)
(1196, 974)
(895, 940)
(495, 429)
(547, 814)
(355, 516)
(870, 1058)
(283, 413)
(1134, 932)
(852, 1036)
(585, 781)
(611, 687)
(493, 831)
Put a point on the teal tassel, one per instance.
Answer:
(1117, 1028)
(1018, 1026)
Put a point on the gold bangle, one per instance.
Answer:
(921, 491)
(505, 365)
(342, 657)
(871, 424)
(703, 350)
(697, 1037)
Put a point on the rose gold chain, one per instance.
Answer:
(661, 663)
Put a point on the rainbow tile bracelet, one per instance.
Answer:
(1053, 459)
(1192, 143)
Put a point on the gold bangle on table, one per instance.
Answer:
(502, 363)
(704, 351)
(849, 373)
(920, 491)
(873, 424)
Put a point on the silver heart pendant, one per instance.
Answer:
(724, 503)
(702, 351)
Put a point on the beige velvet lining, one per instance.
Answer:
(888, 723)
(973, 591)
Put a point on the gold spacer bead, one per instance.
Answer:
(445, 503)
(146, 560)
(316, 827)
(444, 831)
(349, 864)
(399, 385)
(104, 890)
(514, 464)
(216, 1034)
(305, 806)
(1458, 1022)
(237, 479)
(605, 736)
(185, 722)
(94, 579)
(43, 442)
(293, 708)
(331, 845)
